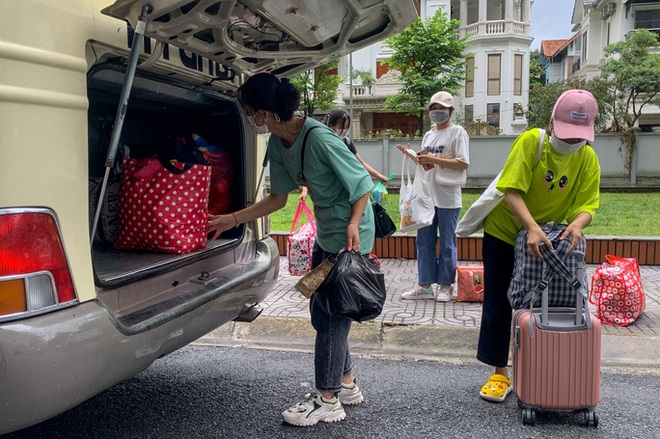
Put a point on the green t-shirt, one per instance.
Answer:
(558, 188)
(335, 180)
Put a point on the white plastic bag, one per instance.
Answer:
(415, 205)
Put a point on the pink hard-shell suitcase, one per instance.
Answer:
(556, 357)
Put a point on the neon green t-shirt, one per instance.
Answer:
(335, 180)
(558, 188)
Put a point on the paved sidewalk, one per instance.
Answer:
(427, 329)
(401, 275)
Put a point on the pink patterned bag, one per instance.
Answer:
(617, 292)
(300, 242)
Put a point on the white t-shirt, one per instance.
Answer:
(451, 142)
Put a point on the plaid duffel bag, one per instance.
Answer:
(528, 271)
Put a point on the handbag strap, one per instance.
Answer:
(554, 261)
(153, 165)
(405, 170)
(302, 152)
(541, 143)
(170, 166)
(302, 208)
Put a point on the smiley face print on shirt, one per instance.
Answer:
(549, 180)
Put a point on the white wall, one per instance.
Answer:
(488, 154)
(433, 5)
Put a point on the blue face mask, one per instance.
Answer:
(439, 116)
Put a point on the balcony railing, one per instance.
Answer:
(495, 27)
(378, 90)
(360, 90)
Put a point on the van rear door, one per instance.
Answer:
(281, 37)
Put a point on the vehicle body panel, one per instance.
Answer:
(85, 350)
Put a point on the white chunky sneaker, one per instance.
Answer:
(419, 293)
(313, 409)
(350, 394)
(444, 293)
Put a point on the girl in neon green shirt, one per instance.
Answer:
(562, 187)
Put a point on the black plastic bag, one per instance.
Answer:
(354, 288)
(385, 227)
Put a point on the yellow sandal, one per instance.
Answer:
(496, 389)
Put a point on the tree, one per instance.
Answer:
(318, 88)
(635, 73)
(365, 77)
(542, 100)
(431, 57)
(536, 71)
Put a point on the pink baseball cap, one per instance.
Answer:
(573, 115)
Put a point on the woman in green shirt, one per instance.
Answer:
(340, 188)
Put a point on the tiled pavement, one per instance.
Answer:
(401, 274)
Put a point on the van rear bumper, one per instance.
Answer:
(53, 362)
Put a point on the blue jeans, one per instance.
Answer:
(332, 359)
(431, 267)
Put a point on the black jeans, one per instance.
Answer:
(495, 331)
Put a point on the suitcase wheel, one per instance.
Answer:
(590, 418)
(528, 416)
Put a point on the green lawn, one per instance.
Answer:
(620, 213)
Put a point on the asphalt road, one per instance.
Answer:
(225, 392)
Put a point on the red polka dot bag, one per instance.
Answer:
(163, 206)
(617, 292)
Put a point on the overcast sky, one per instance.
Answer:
(551, 20)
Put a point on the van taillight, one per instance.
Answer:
(34, 272)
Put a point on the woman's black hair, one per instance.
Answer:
(335, 116)
(264, 91)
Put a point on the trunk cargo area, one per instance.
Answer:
(160, 110)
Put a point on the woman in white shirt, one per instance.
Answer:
(446, 145)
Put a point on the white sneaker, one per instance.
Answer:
(444, 293)
(350, 394)
(419, 293)
(313, 409)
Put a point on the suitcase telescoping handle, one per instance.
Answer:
(557, 266)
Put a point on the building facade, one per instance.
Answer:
(558, 58)
(598, 23)
(497, 70)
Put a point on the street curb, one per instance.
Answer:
(434, 343)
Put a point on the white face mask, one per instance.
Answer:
(342, 133)
(258, 129)
(563, 147)
(439, 116)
